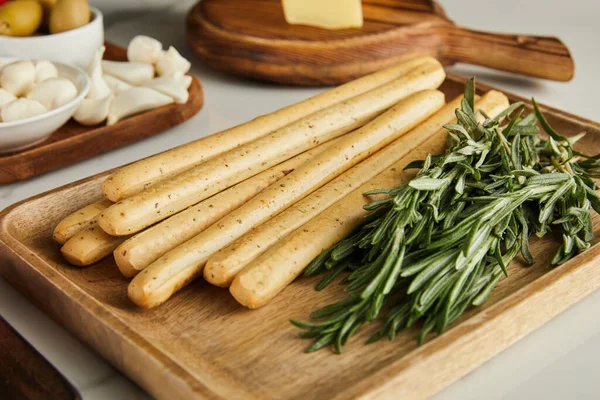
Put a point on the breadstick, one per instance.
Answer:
(89, 246)
(85, 217)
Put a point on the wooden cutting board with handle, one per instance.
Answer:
(251, 38)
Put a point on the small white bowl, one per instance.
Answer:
(24, 133)
(74, 47)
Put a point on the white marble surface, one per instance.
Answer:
(560, 360)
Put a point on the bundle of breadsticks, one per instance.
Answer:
(249, 208)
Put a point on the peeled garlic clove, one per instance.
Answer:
(116, 85)
(135, 100)
(144, 49)
(18, 77)
(171, 86)
(134, 73)
(21, 109)
(6, 97)
(99, 89)
(53, 92)
(172, 62)
(44, 70)
(93, 111)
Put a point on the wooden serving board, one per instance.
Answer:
(74, 142)
(25, 374)
(251, 38)
(202, 344)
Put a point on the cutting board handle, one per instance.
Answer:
(538, 56)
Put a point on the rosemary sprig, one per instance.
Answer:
(441, 242)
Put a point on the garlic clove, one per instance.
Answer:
(21, 109)
(116, 85)
(171, 86)
(135, 100)
(53, 92)
(134, 73)
(93, 111)
(144, 49)
(99, 89)
(171, 62)
(6, 97)
(44, 70)
(18, 77)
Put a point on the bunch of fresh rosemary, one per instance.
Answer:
(441, 242)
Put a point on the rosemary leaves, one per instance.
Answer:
(441, 242)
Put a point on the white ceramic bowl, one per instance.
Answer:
(74, 47)
(18, 135)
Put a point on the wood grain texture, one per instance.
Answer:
(74, 142)
(25, 374)
(251, 38)
(202, 344)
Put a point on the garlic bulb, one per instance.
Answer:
(44, 70)
(134, 73)
(93, 111)
(172, 86)
(135, 100)
(116, 85)
(18, 77)
(171, 62)
(53, 92)
(99, 89)
(6, 97)
(21, 109)
(144, 49)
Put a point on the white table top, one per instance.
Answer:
(560, 360)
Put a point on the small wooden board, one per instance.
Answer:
(202, 344)
(74, 142)
(25, 374)
(251, 38)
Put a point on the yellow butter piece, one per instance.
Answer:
(328, 14)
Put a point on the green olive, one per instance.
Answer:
(20, 18)
(69, 14)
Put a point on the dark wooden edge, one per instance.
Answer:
(23, 364)
(458, 339)
(43, 158)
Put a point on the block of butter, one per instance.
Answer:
(328, 14)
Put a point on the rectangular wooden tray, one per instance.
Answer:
(74, 142)
(202, 344)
